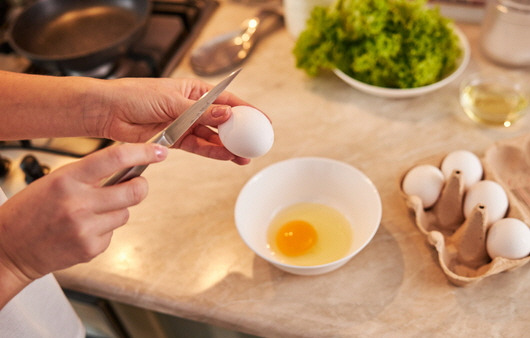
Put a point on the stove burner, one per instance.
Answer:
(32, 169)
(5, 165)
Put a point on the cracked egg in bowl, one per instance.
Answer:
(308, 215)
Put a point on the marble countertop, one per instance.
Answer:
(180, 253)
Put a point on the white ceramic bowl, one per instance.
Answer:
(307, 179)
(410, 92)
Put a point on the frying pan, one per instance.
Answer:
(77, 35)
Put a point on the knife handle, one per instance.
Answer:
(124, 175)
(132, 172)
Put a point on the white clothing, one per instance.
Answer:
(40, 310)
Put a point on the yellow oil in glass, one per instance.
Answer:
(491, 103)
(307, 234)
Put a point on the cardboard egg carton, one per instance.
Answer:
(461, 243)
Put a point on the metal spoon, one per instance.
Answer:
(228, 51)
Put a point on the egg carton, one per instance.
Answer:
(461, 242)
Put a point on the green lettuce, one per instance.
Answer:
(386, 43)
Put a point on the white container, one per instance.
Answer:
(506, 32)
(314, 180)
(296, 13)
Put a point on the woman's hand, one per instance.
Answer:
(139, 108)
(66, 217)
(128, 109)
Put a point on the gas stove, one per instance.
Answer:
(172, 28)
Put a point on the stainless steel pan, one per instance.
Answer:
(77, 35)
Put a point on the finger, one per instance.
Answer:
(110, 221)
(241, 160)
(103, 163)
(207, 134)
(218, 114)
(206, 142)
(215, 115)
(87, 250)
(229, 99)
(120, 196)
(200, 131)
(193, 144)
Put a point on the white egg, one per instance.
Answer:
(491, 195)
(426, 182)
(247, 133)
(508, 238)
(467, 163)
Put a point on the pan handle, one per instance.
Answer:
(9, 10)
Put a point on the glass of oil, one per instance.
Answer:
(493, 100)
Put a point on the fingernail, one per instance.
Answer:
(219, 111)
(160, 151)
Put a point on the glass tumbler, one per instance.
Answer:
(493, 100)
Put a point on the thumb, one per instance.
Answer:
(103, 163)
(215, 115)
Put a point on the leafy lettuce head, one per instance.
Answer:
(386, 43)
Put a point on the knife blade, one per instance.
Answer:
(176, 129)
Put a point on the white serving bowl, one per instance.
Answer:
(411, 92)
(307, 179)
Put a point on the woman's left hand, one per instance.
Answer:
(136, 109)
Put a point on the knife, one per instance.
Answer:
(176, 129)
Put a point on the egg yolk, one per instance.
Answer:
(295, 238)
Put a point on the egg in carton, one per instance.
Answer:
(459, 230)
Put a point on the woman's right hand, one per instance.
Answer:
(66, 217)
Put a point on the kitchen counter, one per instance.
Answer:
(180, 252)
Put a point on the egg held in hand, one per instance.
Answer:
(247, 133)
